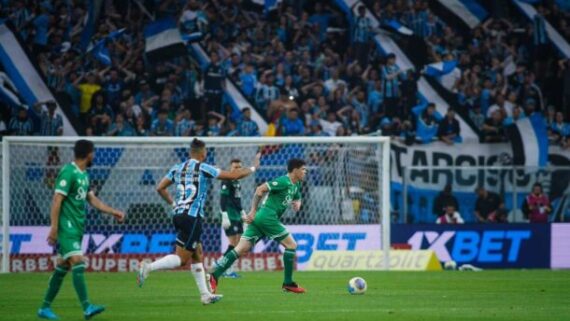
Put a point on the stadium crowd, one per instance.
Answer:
(295, 67)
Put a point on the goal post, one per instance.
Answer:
(346, 191)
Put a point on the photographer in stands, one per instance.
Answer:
(536, 206)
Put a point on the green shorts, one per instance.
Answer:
(69, 245)
(265, 224)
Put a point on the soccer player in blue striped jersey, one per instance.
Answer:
(191, 179)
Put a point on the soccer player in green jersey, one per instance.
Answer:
(264, 222)
(232, 212)
(67, 227)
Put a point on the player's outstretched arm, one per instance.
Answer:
(54, 215)
(257, 197)
(242, 172)
(98, 204)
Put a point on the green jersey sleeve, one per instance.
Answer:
(64, 181)
(278, 184)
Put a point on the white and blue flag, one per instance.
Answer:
(553, 35)
(8, 92)
(100, 50)
(23, 83)
(469, 11)
(163, 40)
(398, 27)
(442, 68)
(268, 5)
(529, 140)
(93, 10)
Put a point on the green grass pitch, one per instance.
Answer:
(489, 295)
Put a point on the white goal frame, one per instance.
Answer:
(383, 158)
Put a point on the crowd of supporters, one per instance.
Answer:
(306, 68)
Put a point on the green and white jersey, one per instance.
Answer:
(73, 183)
(230, 200)
(281, 193)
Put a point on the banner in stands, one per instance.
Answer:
(425, 184)
(482, 245)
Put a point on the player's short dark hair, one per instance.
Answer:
(294, 163)
(235, 160)
(83, 148)
(197, 145)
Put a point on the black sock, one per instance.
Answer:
(230, 248)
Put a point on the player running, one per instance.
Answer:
(68, 225)
(264, 222)
(191, 179)
(232, 213)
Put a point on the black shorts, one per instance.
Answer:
(188, 231)
(235, 228)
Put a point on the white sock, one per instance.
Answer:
(171, 261)
(200, 277)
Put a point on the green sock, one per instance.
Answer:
(288, 262)
(54, 285)
(225, 263)
(78, 272)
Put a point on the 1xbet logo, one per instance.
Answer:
(470, 246)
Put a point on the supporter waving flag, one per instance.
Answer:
(163, 40)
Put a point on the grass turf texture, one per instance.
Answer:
(489, 295)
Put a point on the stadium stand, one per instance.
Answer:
(306, 68)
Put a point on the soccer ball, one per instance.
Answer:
(357, 285)
(450, 265)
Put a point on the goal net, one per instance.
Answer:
(344, 196)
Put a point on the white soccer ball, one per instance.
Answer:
(450, 265)
(357, 285)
